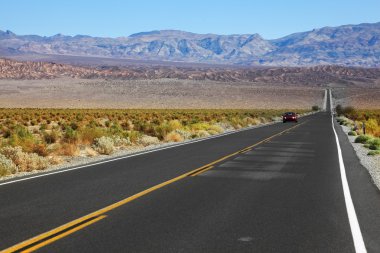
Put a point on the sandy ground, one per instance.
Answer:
(363, 97)
(162, 93)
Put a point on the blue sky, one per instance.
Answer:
(114, 18)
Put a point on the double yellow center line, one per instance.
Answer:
(55, 234)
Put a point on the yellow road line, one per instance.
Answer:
(44, 243)
(106, 209)
(201, 171)
(245, 151)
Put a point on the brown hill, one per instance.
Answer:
(317, 75)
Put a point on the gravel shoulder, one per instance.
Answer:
(371, 163)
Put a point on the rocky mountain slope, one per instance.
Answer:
(317, 75)
(351, 45)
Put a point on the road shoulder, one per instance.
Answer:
(365, 194)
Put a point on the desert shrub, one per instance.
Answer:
(115, 129)
(339, 120)
(200, 134)
(374, 144)
(87, 135)
(20, 136)
(40, 149)
(227, 126)
(104, 145)
(373, 152)
(147, 140)
(212, 129)
(7, 166)
(173, 137)
(25, 161)
(43, 127)
(339, 110)
(215, 129)
(128, 125)
(16, 155)
(199, 126)
(161, 130)
(133, 136)
(248, 121)
(74, 125)
(362, 139)
(352, 133)
(184, 133)
(175, 124)
(120, 141)
(67, 149)
(51, 137)
(36, 162)
(372, 126)
(315, 108)
(70, 136)
(236, 123)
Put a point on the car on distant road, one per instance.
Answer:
(290, 116)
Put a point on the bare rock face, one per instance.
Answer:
(317, 75)
(350, 45)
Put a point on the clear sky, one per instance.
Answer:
(115, 18)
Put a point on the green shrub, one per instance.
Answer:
(71, 136)
(374, 144)
(74, 125)
(88, 134)
(373, 152)
(116, 129)
(362, 139)
(339, 110)
(133, 136)
(51, 137)
(352, 133)
(315, 108)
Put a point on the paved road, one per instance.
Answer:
(282, 195)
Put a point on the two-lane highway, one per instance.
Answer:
(272, 189)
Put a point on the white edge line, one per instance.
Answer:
(138, 153)
(352, 218)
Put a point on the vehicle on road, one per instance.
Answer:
(290, 116)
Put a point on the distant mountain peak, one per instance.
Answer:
(352, 45)
(140, 34)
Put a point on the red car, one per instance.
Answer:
(290, 116)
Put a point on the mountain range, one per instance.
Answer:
(348, 45)
(310, 76)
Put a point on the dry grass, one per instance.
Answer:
(33, 139)
(371, 119)
(173, 137)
